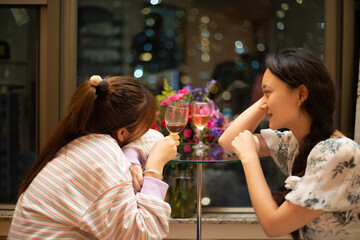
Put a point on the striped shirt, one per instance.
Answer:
(86, 192)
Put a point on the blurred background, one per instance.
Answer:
(48, 47)
(191, 42)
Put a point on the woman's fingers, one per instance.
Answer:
(137, 176)
(244, 144)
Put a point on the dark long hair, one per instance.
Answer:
(117, 102)
(296, 66)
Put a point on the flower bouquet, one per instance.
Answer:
(216, 125)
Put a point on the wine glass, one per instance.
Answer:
(200, 112)
(176, 118)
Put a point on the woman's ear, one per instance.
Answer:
(121, 134)
(303, 94)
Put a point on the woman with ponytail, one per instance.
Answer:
(322, 165)
(81, 186)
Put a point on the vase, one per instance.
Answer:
(182, 193)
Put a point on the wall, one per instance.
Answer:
(357, 119)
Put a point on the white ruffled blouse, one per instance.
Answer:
(331, 183)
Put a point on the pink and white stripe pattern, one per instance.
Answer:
(144, 144)
(86, 193)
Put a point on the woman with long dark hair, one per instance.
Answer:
(81, 187)
(323, 196)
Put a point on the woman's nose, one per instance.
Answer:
(263, 104)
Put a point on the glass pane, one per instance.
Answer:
(191, 43)
(18, 84)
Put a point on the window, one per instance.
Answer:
(29, 88)
(18, 89)
(190, 43)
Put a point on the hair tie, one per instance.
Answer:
(103, 86)
(95, 80)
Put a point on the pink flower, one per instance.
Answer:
(187, 132)
(210, 124)
(204, 111)
(187, 148)
(176, 97)
(165, 102)
(184, 91)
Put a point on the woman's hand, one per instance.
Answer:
(163, 151)
(246, 146)
(247, 120)
(137, 176)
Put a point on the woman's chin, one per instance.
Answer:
(273, 126)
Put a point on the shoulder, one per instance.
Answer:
(89, 164)
(334, 153)
(150, 137)
(101, 155)
(96, 141)
(339, 146)
(153, 134)
(331, 180)
(95, 145)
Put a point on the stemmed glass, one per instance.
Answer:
(200, 112)
(176, 118)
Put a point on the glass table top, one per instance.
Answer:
(213, 154)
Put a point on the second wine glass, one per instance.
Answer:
(200, 112)
(176, 118)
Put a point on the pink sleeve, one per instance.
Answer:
(133, 155)
(154, 187)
